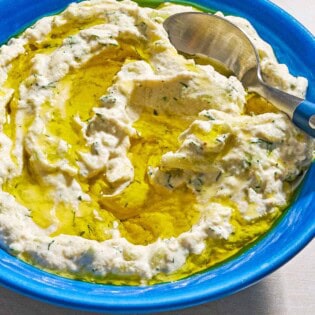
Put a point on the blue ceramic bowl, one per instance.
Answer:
(294, 46)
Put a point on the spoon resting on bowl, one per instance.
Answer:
(197, 33)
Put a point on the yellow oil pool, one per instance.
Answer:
(145, 212)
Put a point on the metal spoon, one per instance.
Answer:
(215, 37)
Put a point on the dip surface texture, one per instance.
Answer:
(122, 161)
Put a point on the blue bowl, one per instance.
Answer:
(294, 46)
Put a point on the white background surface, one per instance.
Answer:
(288, 291)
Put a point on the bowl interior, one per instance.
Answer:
(294, 46)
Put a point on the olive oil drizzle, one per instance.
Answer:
(147, 208)
(145, 211)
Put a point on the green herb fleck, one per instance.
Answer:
(48, 247)
(247, 163)
(220, 139)
(184, 84)
(108, 99)
(90, 229)
(73, 218)
(208, 115)
(265, 144)
(218, 176)
(169, 181)
(197, 183)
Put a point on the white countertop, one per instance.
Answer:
(288, 291)
(302, 10)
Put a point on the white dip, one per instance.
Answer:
(236, 162)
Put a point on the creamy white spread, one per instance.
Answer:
(223, 155)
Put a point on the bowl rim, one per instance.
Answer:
(238, 273)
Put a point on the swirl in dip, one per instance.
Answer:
(122, 161)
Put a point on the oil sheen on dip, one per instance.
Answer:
(124, 162)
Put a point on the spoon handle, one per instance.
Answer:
(304, 117)
(301, 112)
